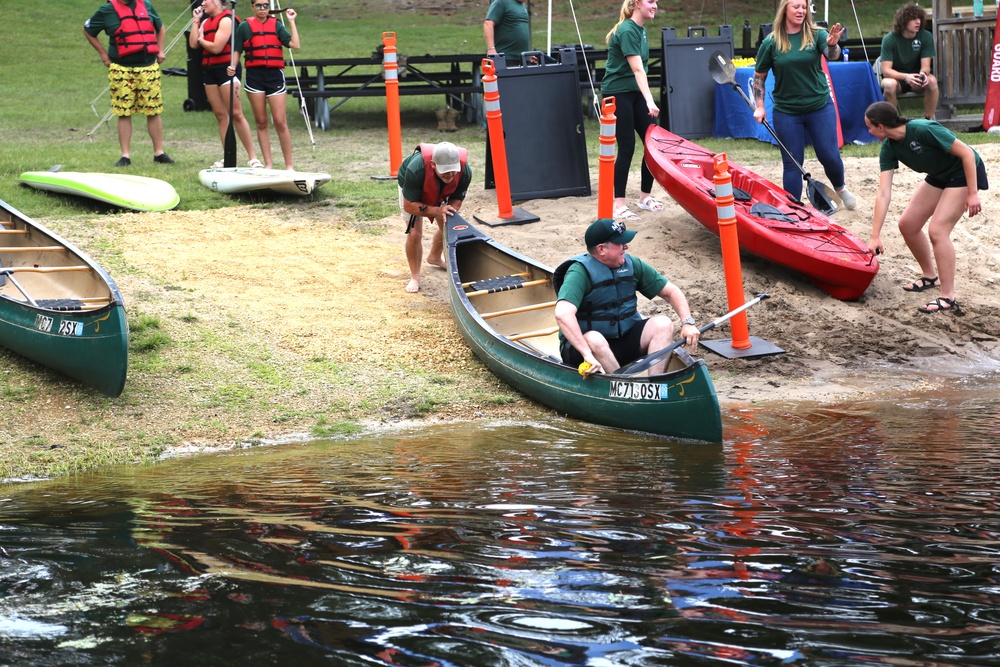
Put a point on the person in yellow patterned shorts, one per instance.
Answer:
(133, 57)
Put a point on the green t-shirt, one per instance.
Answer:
(105, 19)
(799, 82)
(576, 283)
(906, 54)
(510, 27)
(628, 40)
(244, 33)
(924, 149)
(410, 178)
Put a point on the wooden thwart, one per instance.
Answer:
(43, 269)
(36, 248)
(534, 334)
(522, 309)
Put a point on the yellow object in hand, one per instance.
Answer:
(583, 368)
(744, 62)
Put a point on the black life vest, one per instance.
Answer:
(136, 32)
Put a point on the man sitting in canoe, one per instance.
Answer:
(596, 307)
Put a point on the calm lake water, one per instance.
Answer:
(844, 535)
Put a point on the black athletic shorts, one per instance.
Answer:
(216, 75)
(960, 182)
(626, 349)
(267, 80)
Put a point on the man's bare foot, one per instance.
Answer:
(413, 286)
(438, 263)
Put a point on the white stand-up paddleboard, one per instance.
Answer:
(234, 180)
(138, 193)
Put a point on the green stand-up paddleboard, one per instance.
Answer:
(138, 193)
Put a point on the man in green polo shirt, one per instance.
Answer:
(506, 29)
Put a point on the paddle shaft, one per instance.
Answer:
(815, 189)
(229, 146)
(650, 360)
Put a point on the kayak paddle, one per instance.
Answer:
(643, 363)
(724, 72)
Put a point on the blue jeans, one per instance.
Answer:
(821, 128)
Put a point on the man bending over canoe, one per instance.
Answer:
(433, 181)
(596, 307)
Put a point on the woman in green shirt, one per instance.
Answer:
(955, 175)
(625, 80)
(803, 108)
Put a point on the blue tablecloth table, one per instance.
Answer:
(854, 83)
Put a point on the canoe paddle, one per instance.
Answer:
(643, 363)
(229, 152)
(724, 72)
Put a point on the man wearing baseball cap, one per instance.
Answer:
(597, 308)
(433, 181)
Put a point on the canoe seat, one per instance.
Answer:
(501, 284)
(61, 304)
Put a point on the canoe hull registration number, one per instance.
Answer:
(636, 391)
(66, 327)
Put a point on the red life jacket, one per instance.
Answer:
(434, 194)
(136, 32)
(211, 26)
(263, 49)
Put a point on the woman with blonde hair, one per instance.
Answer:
(212, 26)
(803, 107)
(625, 79)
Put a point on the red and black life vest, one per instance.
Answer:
(263, 49)
(136, 32)
(434, 194)
(209, 27)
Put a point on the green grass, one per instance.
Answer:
(41, 130)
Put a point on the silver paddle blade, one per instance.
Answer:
(722, 68)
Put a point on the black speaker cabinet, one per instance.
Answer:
(543, 128)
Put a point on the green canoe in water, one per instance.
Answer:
(504, 305)
(59, 308)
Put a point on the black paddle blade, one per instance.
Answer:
(229, 152)
(819, 196)
(722, 68)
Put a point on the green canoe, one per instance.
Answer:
(504, 305)
(59, 308)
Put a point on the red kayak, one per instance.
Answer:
(770, 224)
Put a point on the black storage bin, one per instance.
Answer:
(687, 83)
(543, 128)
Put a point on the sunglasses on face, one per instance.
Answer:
(262, 5)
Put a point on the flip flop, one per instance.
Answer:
(624, 213)
(924, 284)
(649, 204)
(941, 305)
(218, 164)
(255, 164)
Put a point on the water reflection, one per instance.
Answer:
(864, 533)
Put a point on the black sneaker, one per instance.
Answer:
(162, 158)
(123, 162)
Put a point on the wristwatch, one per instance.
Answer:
(687, 320)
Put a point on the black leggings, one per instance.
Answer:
(632, 118)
